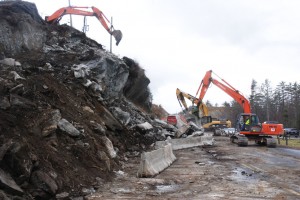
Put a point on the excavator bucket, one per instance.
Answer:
(117, 35)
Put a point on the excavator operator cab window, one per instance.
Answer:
(255, 125)
(249, 123)
(206, 120)
(240, 122)
(254, 120)
(246, 122)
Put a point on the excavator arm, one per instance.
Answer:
(181, 99)
(226, 87)
(75, 10)
(207, 121)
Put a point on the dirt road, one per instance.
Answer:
(224, 171)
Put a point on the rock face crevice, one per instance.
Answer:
(136, 88)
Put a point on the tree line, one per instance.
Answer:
(281, 104)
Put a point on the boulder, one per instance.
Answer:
(18, 101)
(123, 116)
(50, 124)
(9, 184)
(68, 128)
(25, 34)
(43, 181)
(144, 127)
(19, 161)
(109, 147)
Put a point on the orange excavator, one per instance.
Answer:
(76, 10)
(248, 125)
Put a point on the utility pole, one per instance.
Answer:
(70, 15)
(111, 28)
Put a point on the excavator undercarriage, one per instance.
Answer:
(242, 140)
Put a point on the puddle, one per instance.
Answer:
(224, 158)
(210, 163)
(122, 190)
(241, 174)
(215, 195)
(166, 188)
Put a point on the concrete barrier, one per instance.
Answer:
(186, 142)
(156, 161)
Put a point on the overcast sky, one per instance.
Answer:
(177, 41)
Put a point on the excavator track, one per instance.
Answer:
(240, 140)
(270, 142)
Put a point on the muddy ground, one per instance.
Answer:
(223, 171)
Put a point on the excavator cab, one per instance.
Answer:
(206, 119)
(248, 122)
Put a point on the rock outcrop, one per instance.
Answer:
(69, 110)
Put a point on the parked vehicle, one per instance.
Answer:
(185, 127)
(228, 131)
(291, 132)
(176, 120)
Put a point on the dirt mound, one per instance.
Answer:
(68, 108)
(159, 111)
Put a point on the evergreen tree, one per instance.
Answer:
(266, 99)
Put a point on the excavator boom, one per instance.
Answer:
(227, 88)
(76, 10)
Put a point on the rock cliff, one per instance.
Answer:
(70, 112)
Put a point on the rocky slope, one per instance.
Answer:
(71, 113)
